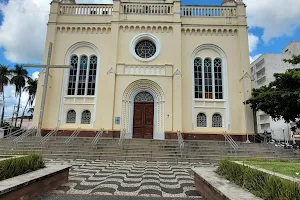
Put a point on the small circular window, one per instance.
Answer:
(145, 49)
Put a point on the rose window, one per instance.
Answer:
(145, 49)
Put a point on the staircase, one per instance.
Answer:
(144, 150)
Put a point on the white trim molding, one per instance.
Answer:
(128, 106)
(223, 57)
(144, 36)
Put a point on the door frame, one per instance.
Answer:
(156, 136)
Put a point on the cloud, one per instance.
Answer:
(277, 18)
(35, 75)
(253, 58)
(23, 30)
(253, 42)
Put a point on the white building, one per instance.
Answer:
(262, 70)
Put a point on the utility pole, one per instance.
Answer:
(45, 86)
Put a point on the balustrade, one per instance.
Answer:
(86, 9)
(199, 11)
(129, 8)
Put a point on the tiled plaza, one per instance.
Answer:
(128, 178)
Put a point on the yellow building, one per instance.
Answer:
(148, 68)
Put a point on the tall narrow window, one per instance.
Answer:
(216, 120)
(72, 75)
(82, 75)
(201, 120)
(86, 117)
(71, 117)
(198, 78)
(92, 76)
(208, 78)
(218, 78)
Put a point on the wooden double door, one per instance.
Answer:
(143, 119)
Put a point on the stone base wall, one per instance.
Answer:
(168, 135)
(38, 187)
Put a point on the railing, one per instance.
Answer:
(122, 137)
(231, 141)
(86, 9)
(47, 137)
(180, 142)
(150, 9)
(17, 132)
(199, 11)
(20, 138)
(97, 137)
(72, 137)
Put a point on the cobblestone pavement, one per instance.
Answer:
(128, 178)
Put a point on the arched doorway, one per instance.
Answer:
(143, 115)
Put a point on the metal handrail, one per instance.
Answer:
(8, 136)
(6, 127)
(122, 137)
(47, 137)
(24, 135)
(72, 136)
(97, 137)
(231, 141)
(180, 142)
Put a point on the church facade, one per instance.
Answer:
(148, 69)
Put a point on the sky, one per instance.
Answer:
(273, 24)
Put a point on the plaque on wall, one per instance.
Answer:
(117, 120)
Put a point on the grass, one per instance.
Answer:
(261, 184)
(20, 165)
(287, 168)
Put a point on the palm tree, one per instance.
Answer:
(31, 110)
(19, 76)
(4, 80)
(31, 89)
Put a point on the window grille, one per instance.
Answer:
(71, 117)
(217, 120)
(72, 75)
(143, 97)
(201, 120)
(92, 76)
(86, 117)
(82, 75)
(208, 78)
(145, 49)
(218, 78)
(198, 78)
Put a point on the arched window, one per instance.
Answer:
(198, 78)
(208, 83)
(216, 120)
(208, 78)
(71, 117)
(201, 120)
(86, 117)
(82, 75)
(72, 75)
(218, 78)
(92, 76)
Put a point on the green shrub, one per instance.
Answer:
(17, 166)
(261, 184)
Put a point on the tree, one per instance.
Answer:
(19, 80)
(31, 110)
(281, 98)
(294, 60)
(4, 80)
(31, 89)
